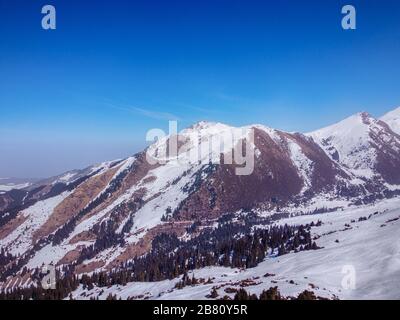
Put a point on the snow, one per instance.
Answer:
(169, 195)
(55, 253)
(20, 240)
(67, 177)
(369, 248)
(124, 166)
(101, 167)
(49, 254)
(392, 118)
(350, 138)
(202, 143)
(274, 134)
(11, 186)
(303, 164)
(90, 222)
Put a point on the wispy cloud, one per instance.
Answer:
(152, 114)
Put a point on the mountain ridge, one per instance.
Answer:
(111, 213)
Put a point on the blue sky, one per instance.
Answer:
(89, 90)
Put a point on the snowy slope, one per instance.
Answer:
(392, 118)
(361, 144)
(367, 247)
(20, 240)
(349, 142)
(202, 142)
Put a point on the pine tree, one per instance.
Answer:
(241, 295)
(271, 294)
(214, 293)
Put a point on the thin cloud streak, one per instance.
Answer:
(157, 115)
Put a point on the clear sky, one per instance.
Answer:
(89, 90)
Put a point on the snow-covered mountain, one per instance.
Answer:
(363, 145)
(7, 184)
(186, 187)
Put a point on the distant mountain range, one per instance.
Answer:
(7, 184)
(103, 218)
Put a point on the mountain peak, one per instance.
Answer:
(364, 114)
(203, 124)
(354, 123)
